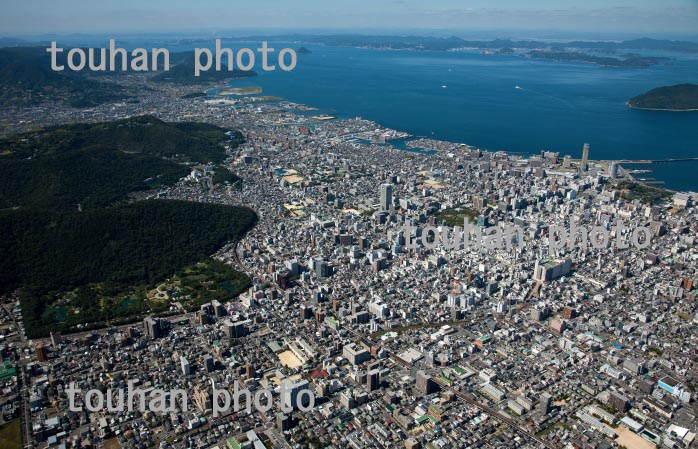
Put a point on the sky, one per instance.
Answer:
(642, 17)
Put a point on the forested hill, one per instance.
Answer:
(182, 71)
(26, 78)
(96, 165)
(96, 264)
(77, 269)
(682, 97)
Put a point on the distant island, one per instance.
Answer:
(681, 97)
(303, 51)
(630, 60)
(602, 53)
(432, 43)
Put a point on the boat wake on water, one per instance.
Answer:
(566, 102)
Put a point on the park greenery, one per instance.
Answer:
(644, 193)
(456, 217)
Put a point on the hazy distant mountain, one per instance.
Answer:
(11, 42)
(26, 78)
(454, 42)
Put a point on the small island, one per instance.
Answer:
(681, 97)
(303, 51)
(631, 60)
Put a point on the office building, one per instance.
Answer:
(283, 422)
(425, 384)
(619, 402)
(209, 364)
(356, 355)
(373, 380)
(186, 369)
(41, 352)
(549, 270)
(584, 165)
(386, 197)
(544, 406)
(292, 397)
(152, 328)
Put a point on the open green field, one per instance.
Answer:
(10, 435)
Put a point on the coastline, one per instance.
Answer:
(433, 151)
(245, 90)
(627, 103)
(671, 183)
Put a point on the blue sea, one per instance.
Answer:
(473, 98)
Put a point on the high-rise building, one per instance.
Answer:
(186, 369)
(218, 309)
(539, 314)
(306, 312)
(566, 162)
(386, 197)
(584, 166)
(549, 270)
(545, 399)
(292, 397)
(209, 364)
(203, 399)
(152, 328)
(373, 380)
(558, 326)
(283, 422)
(569, 313)
(356, 355)
(202, 318)
(619, 402)
(613, 170)
(283, 279)
(479, 202)
(41, 352)
(237, 329)
(425, 384)
(323, 269)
